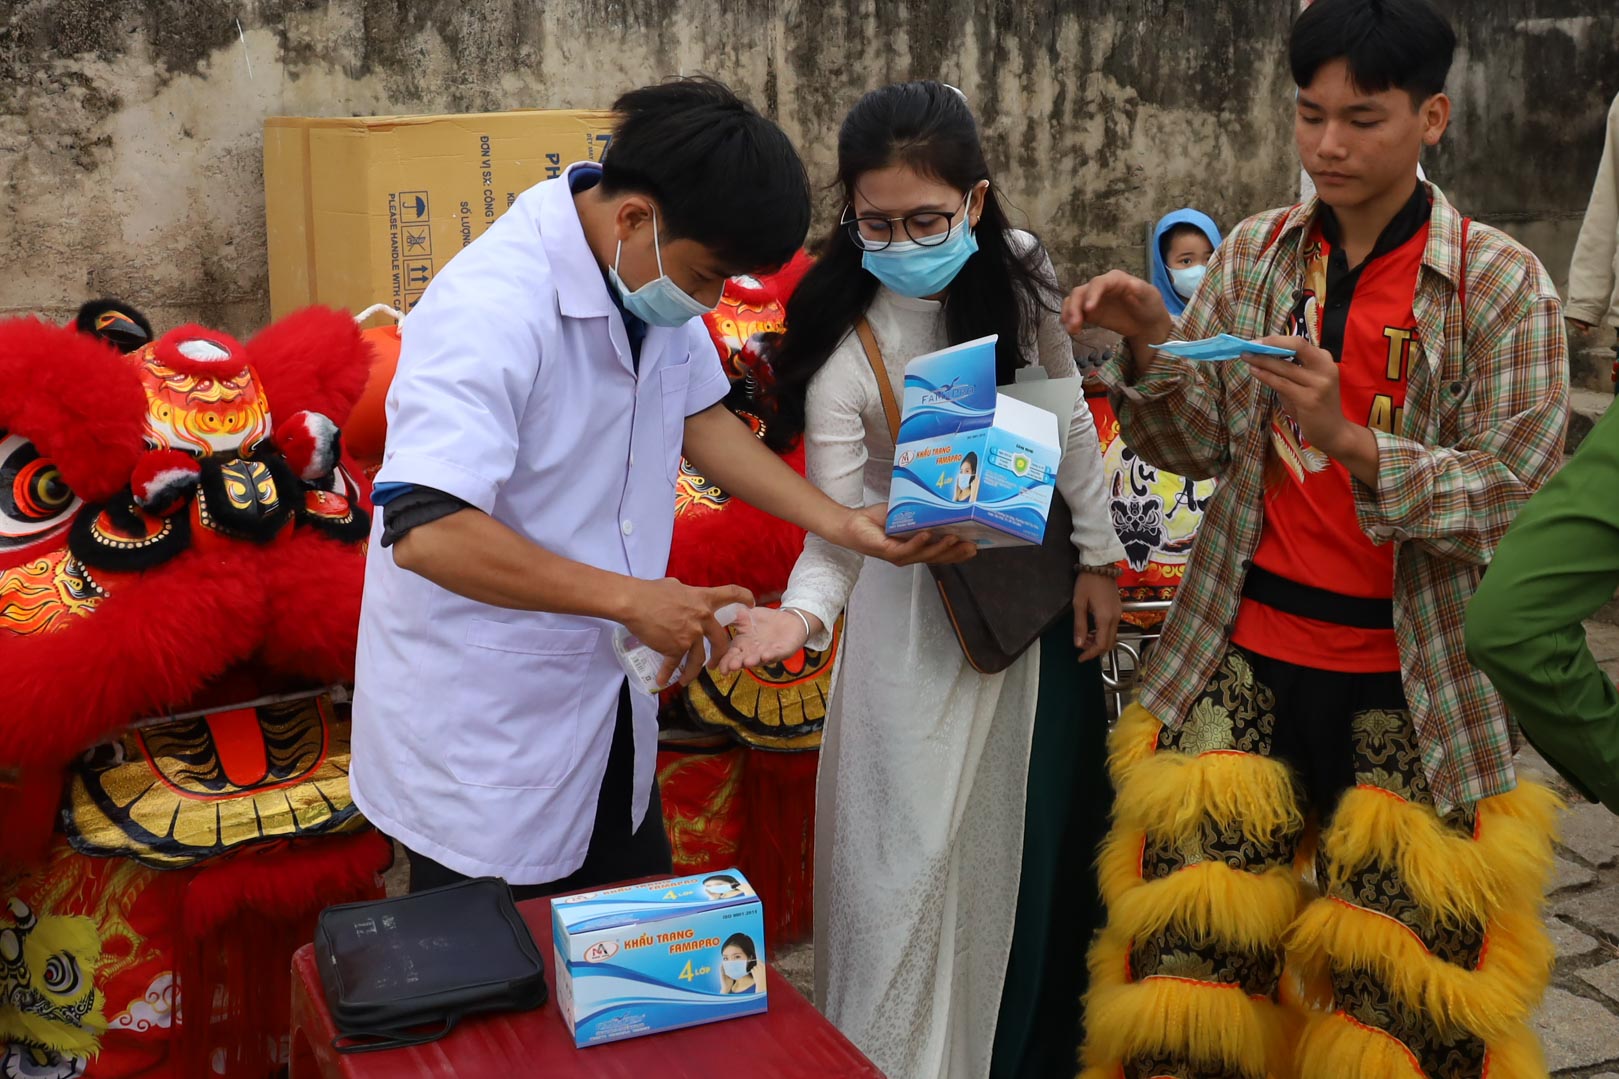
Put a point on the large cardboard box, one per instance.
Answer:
(364, 210)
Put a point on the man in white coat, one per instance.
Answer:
(549, 382)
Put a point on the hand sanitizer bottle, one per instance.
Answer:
(642, 664)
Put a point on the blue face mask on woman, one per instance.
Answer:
(917, 270)
(659, 302)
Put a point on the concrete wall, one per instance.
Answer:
(130, 132)
(1532, 83)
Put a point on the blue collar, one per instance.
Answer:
(583, 177)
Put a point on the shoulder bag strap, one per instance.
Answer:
(874, 356)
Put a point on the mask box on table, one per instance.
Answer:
(971, 461)
(653, 957)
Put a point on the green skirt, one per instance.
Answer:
(1059, 905)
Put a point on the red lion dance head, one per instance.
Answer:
(181, 557)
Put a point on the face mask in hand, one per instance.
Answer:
(1187, 280)
(659, 302)
(735, 969)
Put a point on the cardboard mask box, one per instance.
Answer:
(653, 957)
(364, 210)
(971, 461)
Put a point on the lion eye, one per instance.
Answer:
(34, 499)
(62, 975)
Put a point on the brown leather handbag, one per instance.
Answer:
(1004, 598)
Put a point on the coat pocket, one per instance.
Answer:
(521, 686)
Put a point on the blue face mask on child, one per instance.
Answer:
(917, 270)
(1186, 280)
(659, 302)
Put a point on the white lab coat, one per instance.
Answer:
(481, 734)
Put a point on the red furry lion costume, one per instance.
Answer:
(181, 555)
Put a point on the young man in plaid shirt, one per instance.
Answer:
(1322, 860)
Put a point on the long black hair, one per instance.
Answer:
(927, 127)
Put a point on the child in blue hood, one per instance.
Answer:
(1181, 247)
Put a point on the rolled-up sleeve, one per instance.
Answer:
(1457, 501)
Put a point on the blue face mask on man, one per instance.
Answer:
(659, 302)
(918, 270)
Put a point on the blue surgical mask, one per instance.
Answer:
(917, 270)
(659, 302)
(735, 969)
(1187, 280)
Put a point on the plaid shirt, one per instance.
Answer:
(1481, 431)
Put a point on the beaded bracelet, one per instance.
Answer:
(1112, 569)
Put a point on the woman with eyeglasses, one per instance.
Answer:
(950, 922)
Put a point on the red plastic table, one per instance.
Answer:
(790, 1041)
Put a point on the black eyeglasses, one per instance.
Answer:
(873, 232)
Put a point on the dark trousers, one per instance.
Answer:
(616, 852)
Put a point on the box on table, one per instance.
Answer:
(364, 210)
(971, 461)
(653, 957)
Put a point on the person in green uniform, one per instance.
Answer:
(1557, 564)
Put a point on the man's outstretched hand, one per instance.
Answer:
(1120, 302)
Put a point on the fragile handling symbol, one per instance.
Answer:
(418, 273)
